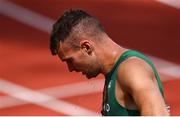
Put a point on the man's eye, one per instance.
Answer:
(69, 60)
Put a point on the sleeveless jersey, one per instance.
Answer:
(110, 106)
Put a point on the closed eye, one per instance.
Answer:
(67, 60)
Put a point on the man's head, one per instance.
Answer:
(75, 39)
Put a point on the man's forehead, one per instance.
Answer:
(62, 51)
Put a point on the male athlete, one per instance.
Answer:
(132, 85)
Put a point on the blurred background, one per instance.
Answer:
(33, 82)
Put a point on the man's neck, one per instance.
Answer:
(110, 57)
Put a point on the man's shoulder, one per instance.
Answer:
(134, 63)
(134, 69)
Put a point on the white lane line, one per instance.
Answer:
(38, 98)
(25, 16)
(81, 88)
(7, 101)
(91, 86)
(172, 3)
(44, 24)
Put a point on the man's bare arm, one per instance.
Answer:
(137, 78)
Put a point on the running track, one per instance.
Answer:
(32, 82)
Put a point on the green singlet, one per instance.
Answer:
(110, 106)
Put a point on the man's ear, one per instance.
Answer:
(86, 46)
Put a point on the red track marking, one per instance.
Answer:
(172, 96)
(2, 94)
(171, 89)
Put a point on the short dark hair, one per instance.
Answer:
(64, 25)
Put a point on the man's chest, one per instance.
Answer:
(115, 97)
